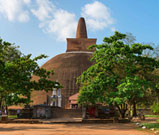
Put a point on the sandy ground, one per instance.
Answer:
(70, 129)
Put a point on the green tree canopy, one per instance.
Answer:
(120, 75)
(16, 71)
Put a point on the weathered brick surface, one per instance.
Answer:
(68, 66)
(80, 44)
(81, 29)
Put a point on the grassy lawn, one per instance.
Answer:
(151, 125)
(12, 116)
(156, 116)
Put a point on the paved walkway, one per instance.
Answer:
(71, 129)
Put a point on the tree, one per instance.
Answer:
(16, 71)
(120, 75)
(147, 100)
(129, 38)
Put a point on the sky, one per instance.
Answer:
(42, 26)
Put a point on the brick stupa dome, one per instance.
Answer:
(68, 66)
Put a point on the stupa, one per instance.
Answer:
(68, 66)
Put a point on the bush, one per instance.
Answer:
(155, 108)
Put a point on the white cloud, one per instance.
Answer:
(23, 17)
(55, 21)
(58, 22)
(97, 15)
(44, 9)
(27, 1)
(14, 10)
(63, 24)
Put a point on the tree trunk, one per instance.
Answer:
(134, 110)
(122, 111)
(129, 112)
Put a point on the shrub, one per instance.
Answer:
(155, 108)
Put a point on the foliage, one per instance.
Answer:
(8, 51)
(155, 108)
(129, 38)
(120, 75)
(16, 71)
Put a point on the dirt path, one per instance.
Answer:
(70, 129)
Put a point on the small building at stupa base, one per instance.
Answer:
(67, 68)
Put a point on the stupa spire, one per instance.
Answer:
(81, 29)
(81, 42)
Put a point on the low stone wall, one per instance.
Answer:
(42, 112)
(55, 113)
(66, 113)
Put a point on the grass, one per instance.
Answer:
(156, 116)
(157, 120)
(151, 125)
(12, 116)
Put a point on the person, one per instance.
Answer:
(18, 113)
(5, 112)
(0, 114)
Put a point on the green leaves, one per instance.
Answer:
(16, 71)
(120, 75)
(116, 37)
(132, 88)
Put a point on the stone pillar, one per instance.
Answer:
(84, 109)
(59, 101)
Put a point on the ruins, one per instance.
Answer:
(67, 67)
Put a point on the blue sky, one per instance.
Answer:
(41, 26)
